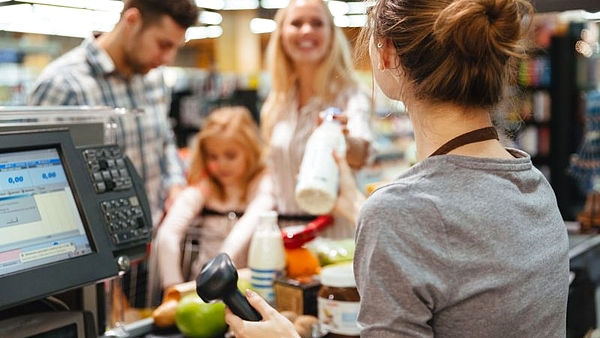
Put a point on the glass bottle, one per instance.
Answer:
(266, 256)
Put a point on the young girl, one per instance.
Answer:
(224, 176)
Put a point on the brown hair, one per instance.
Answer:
(463, 52)
(232, 124)
(184, 12)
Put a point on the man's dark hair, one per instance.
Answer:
(184, 12)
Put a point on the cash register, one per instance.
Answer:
(69, 216)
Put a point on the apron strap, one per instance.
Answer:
(478, 135)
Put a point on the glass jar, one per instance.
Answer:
(338, 301)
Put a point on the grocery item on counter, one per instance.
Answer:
(298, 235)
(338, 301)
(164, 314)
(331, 251)
(195, 318)
(301, 262)
(266, 255)
(307, 326)
(297, 294)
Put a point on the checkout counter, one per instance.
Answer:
(584, 292)
(584, 254)
(66, 158)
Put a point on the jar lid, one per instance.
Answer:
(340, 275)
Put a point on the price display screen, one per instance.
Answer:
(39, 219)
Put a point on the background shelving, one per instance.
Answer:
(547, 120)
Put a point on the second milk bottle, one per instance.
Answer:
(266, 255)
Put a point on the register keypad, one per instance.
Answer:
(122, 211)
(125, 219)
(107, 168)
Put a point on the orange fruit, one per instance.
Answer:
(301, 262)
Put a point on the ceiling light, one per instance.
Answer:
(273, 4)
(211, 4)
(52, 20)
(240, 4)
(350, 20)
(210, 18)
(591, 16)
(337, 8)
(99, 5)
(205, 32)
(227, 4)
(260, 26)
(359, 7)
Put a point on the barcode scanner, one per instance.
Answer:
(218, 280)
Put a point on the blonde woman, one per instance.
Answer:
(310, 64)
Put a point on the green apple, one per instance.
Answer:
(197, 319)
(244, 284)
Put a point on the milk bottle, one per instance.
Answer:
(318, 180)
(266, 256)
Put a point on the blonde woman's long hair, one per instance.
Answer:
(233, 124)
(334, 74)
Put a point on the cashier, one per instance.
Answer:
(469, 242)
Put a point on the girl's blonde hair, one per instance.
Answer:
(334, 74)
(230, 124)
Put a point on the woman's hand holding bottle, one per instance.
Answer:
(356, 148)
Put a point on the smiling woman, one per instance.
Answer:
(306, 35)
(308, 58)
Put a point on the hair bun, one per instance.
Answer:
(481, 28)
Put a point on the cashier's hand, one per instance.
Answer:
(272, 325)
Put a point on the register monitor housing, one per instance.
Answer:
(50, 235)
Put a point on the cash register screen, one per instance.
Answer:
(39, 220)
(53, 235)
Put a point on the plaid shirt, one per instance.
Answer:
(86, 76)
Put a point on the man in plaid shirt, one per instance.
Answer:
(123, 69)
